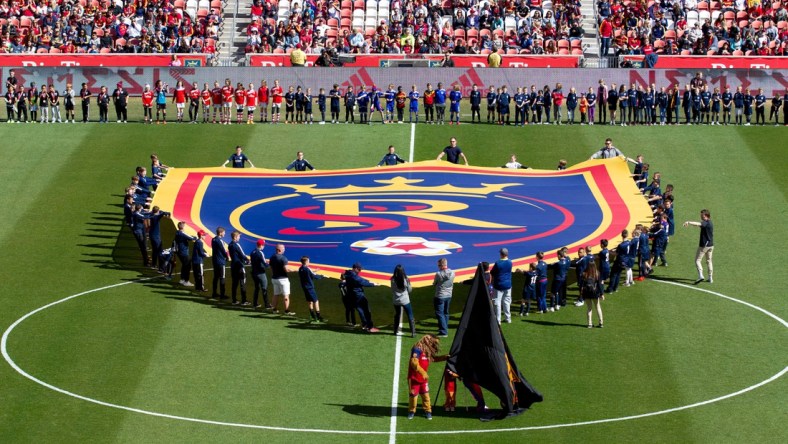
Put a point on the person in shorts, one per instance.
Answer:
(307, 278)
(281, 283)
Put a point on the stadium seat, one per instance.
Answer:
(748, 53)
(121, 41)
(563, 44)
(383, 12)
(372, 5)
(332, 23)
(55, 51)
(498, 33)
(358, 14)
(757, 24)
(345, 13)
(686, 52)
(202, 13)
(692, 16)
(204, 4)
(510, 24)
(715, 6)
(383, 4)
(179, 4)
(359, 4)
(742, 15)
(484, 32)
(485, 52)
(576, 44)
(703, 15)
(191, 4)
(44, 50)
(358, 23)
(284, 4)
(782, 25)
(473, 33)
(369, 32)
(26, 22)
(563, 51)
(332, 33)
(216, 4)
(345, 23)
(577, 51)
(711, 52)
(459, 33)
(703, 6)
(729, 17)
(738, 53)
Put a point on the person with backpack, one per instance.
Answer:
(592, 294)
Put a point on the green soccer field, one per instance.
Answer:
(131, 357)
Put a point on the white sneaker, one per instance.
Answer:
(550, 309)
(557, 307)
(578, 304)
(188, 284)
(711, 280)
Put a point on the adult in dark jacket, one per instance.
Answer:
(355, 288)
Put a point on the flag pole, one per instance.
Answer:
(440, 384)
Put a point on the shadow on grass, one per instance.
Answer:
(553, 324)
(674, 279)
(382, 411)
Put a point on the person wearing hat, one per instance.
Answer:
(355, 287)
(197, 261)
(120, 98)
(260, 279)
(297, 56)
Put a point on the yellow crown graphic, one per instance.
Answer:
(399, 185)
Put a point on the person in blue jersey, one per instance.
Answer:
(350, 105)
(686, 104)
(727, 105)
(774, 112)
(632, 104)
(580, 264)
(760, 107)
(632, 257)
(571, 106)
(198, 260)
(298, 99)
(413, 98)
(375, 105)
(238, 262)
(390, 95)
(334, 97)
(476, 102)
(355, 288)
(716, 98)
(649, 105)
(697, 105)
(644, 254)
(748, 100)
(321, 105)
(612, 103)
(659, 236)
(238, 158)
(619, 262)
(661, 102)
(492, 98)
(307, 277)
(154, 235)
(455, 97)
(440, 104)
(219, 260)
(604, 262)
(306, 101)
(538, 107)
(391, 158)
(520, 100)
(547, 103)
(529, 289)
(705, 105)
(502, 285)
(504, 100)
(145, 182)
(705, 245)
(738, 104)
(259, 276)
(560, 270)
(591, 98)
(623, 104)
(290, 99)
(541, 283)
(363, 104)
(532, 96)
(300, 164)
(139, 226)
(181, 243)
(453, 153)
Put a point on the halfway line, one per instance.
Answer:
(412, 141)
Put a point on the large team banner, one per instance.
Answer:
(411, 214)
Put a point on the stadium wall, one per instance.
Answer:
(135, 78)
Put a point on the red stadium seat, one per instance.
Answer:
(715, 6)
(686, 52)
(359, 4)
(485, 52)
(473, 32)
(748, 53)
(742, 15)
(782, 25)
(743, 23)
(577, 51)
(332, 33)
(102, 51)
(563, 44)
(576, 43)
(333, 23)
(179, 4)
(44, 50)
(459, 33)
(121, 42)
(711, 52)
(345, 13)
(216, 4)
(563, 51)
(202, 13)
(659, 44)
(26, 22)
(703, 6)
(484, 32)
(345, 23)
(369, 32)
(757, 24)
(738, 53)
(55, 50)
(346, 4)
(279, 51)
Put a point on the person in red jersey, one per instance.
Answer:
(227, 101)
(194, 103)
(147, 104)
(216, 100)
(240, 102)
(262, 99)
(251, 104)
(179, 99)
(205, 95)
(422, 354)
(277, 94)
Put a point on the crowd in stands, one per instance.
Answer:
(106, 26)
(416, 27)
(691, 27)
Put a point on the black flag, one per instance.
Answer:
(479, 352)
